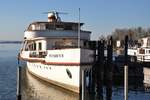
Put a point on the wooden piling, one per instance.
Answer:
(18, 83)
(93, 70)
(109, 69)
(100, 69)
(83, 85)
(125, 82)
(126, 70)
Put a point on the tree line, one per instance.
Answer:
(133, 33)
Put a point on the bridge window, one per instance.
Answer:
(148, 42)
(68, 27)
(38, 27)
(40, 46)
(34, 46)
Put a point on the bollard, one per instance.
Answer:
(19, 83)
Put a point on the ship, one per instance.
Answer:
(142, 52)
(57, 51)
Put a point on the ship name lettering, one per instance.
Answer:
(56, 55)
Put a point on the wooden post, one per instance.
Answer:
(126, 70)
(83, 84)
(125, 82)
(93, 71)
(19, 83)
(100, 69)
(109, 69)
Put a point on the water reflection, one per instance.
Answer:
(36, 89)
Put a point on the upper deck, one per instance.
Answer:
(55, 28)
(41, 26)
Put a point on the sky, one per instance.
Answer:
(101, 17)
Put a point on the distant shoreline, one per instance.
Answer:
(10, 42)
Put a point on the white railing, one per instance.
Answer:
(143, 58)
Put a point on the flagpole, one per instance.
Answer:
(79, 30)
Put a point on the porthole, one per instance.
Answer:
(69, 73)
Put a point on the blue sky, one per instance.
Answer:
(99, 16)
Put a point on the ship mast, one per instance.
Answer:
(79, 30)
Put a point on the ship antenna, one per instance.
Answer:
(54, 16)
(79, 30)
(57, 16)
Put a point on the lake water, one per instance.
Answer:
(35, 89)
(8, 65)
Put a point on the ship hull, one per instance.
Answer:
(63, 71)
(56, 75)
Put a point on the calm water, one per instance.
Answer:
(8, 64)
(35, 89)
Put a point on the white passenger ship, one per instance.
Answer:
(143, 52)
(53, 52)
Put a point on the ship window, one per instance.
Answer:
(59, 26)
(147, 51)
(40, 46)
(30, 47)
(26, 48)
(50, 26)
(148, 42)
(68, 27)
(42, 27)
(34, 46)
(85, 43)
(142, 42)
(69, 73)
(142, 51)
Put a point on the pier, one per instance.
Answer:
(106, 71)
(101, 74)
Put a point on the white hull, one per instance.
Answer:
(61, 67)
(57, 74)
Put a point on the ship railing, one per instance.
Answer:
(143, 58)
(63, 47)
(38, 54)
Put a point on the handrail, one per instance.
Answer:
(38, 54)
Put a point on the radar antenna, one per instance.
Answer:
(54, 16)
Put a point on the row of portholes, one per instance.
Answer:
(40, 66)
